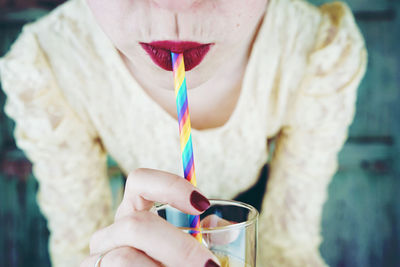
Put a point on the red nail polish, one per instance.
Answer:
(199, 202)
(211, 263)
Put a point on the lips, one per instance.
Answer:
(160, 53)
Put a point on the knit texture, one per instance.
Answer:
(74, 101)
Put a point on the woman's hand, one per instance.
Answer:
(140, 238)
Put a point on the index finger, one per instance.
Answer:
(146, 186)
(154, 236)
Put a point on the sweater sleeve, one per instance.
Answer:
(305, 157)
(68, 159)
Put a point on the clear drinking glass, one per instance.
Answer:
(228, 228)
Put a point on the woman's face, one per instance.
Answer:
(210, 33)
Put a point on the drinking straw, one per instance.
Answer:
(178, 67)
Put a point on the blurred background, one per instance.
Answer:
(361, 219)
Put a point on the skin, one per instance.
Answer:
(137, 236)
(135, 239)
(230, 24)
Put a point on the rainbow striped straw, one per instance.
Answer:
(182, 106)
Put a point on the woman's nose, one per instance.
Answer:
(176, 5)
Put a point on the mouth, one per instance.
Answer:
(160, 53)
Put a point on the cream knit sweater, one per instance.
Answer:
(74, 101)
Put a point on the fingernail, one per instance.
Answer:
(211, 263)
(198, 201)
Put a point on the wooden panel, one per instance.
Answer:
(361, 217)
(379, 92)
(372, 156)
(24, 234)
(29, 3)
(360, 226)
(7, 37)
(360, 5)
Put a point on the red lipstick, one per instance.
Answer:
(160, 53)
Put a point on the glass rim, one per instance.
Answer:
(253, 216)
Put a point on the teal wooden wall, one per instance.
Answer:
(361, 222)
(361, 219)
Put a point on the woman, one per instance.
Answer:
(93, 78)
